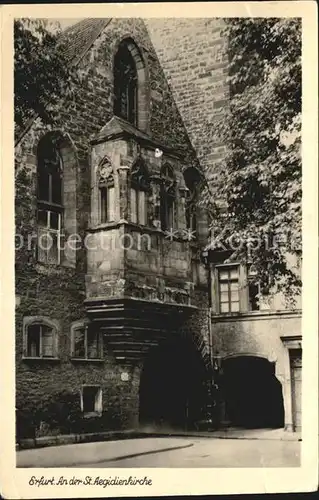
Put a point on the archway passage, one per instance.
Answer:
(253, 394)
(173, 386)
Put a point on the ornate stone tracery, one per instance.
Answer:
(105, 173)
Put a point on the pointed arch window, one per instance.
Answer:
(139, 193)
(125, 84)
(49, 201)
(168, 198)
(106, 192)
(193, 181)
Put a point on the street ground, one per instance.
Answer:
(167, 452)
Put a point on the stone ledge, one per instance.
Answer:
(41, 442)
(257, 315)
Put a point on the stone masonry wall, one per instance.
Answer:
(57, 292)
(192, 51)
(262, 335)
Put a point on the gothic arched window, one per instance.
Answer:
(139, 190)
(125, 84)
(192, 181)
(49, 200)
(168, 198)
(106, 192)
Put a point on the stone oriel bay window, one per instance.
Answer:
(139, 193)
(91, 401)
(168, 198)
(40, 338)
(86, 342)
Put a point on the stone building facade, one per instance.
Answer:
(119, 318)
(114, 183)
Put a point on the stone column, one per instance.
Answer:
(286, 389)
(123, 201)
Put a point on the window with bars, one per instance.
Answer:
(40, 341)
(228, 282)
(168, 199)
(125, 84)
(87, 343)
(49, 202)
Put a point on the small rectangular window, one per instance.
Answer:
(91, 400)
(228, 289)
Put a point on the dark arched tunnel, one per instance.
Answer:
(252, 393)
(173, 386)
